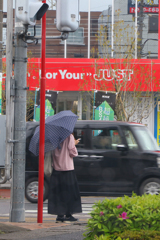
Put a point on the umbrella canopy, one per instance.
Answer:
(57, 128)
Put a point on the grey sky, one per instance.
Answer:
(96, 5)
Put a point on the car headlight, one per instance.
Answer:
(158, 161)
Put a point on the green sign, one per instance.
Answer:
(37, 117)
(104, 112)
(49, 111)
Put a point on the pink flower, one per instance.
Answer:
(101, 213)
(123, 215)
(119, 206)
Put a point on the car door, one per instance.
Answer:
(79, 161)
(98, 162)
(132, 160)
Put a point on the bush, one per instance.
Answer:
(139, 235)
(111, 217)
(132, 235)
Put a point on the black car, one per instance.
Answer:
(114, 158)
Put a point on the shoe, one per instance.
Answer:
(70, 219)
(59, 219)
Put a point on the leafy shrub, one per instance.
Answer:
(139, 235)
(132, 235)
(118, 215)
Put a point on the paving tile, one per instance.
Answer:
(35, 226)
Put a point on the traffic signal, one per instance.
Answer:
(67, 15)
(28, 11)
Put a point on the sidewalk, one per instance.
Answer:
(41, 230)
(32, 230)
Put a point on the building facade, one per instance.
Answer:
(147, 44)
(77, 42)
(80, 100)
(124, 11)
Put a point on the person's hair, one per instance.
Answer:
(73, 135)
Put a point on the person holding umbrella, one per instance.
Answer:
(64, 196)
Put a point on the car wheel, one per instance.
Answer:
(31, 190)
(150, 186)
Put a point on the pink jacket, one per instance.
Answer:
(63, 158)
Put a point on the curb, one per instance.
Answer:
(9, 227)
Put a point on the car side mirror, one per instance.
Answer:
(121, 147)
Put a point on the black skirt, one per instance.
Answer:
(64, 196)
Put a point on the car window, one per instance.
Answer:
(131, 141)
(116, 138)
(79, 133)
(105, 138)
(145, 138)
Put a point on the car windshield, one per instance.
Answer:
(145, 138)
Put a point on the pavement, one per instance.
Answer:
(30, 229)
(36, 231)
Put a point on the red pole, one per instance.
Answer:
(159, 32)
(42, 122)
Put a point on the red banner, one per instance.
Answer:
(95, 74)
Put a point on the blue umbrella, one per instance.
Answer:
(57, 128)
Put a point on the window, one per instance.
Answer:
(4, 36)
(153, 24)
(79, 133)
(105, 139)
(145, 138)
(76, 37)
(132, 144)
(67, 105)
(94, 27)
(78, 55)
(115, 136)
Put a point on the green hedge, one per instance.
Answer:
(112, 217)
(132, 235)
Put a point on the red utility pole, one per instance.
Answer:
(159, 32)
(42, 122)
